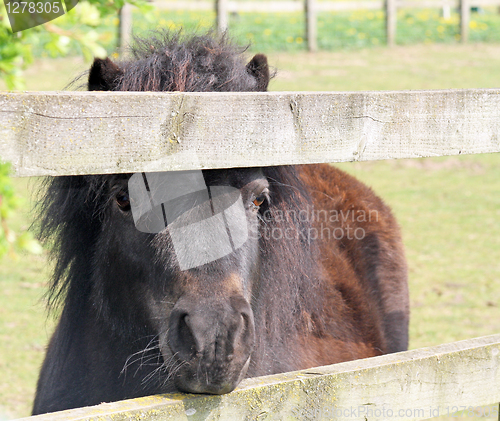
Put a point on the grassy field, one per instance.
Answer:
(448, 207)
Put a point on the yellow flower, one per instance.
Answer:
(472, 24)
(289, 39)
(361, 35)
(440, 29)
(351, 31)
(299, 40)
(423, 16)
(267, 32)
(445, 21)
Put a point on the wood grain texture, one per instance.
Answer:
(88, 133)
(321, 6)
(410, 385)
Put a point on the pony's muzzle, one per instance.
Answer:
(212, 341)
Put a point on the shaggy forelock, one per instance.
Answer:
(168, 61)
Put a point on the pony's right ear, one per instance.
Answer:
(104, 75)
(259, 69)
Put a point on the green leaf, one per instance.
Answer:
(10, 240)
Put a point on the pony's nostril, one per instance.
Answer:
(181, 338)
(186, 334)
(245, 321)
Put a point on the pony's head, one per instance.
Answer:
(181, 258)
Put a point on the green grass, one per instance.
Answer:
(437, 66)
(448, 208)
(24, 328)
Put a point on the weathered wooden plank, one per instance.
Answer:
(235, 6)
(86, 133)
(484, 3)
(338, 6)
(418, 4)
(277, 6)
(184, 5)
(283, 6)
(266, 6)
(321, 6)
(411, 385)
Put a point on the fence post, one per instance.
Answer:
(390, 22)
(464, 20)
(446, 11)
(311, 20)
(222, 15)
(124, 26)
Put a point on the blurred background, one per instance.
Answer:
(448, 207)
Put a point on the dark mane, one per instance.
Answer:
(167, 61)
(63, 224)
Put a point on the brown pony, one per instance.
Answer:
(314, 274)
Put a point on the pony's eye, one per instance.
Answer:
(261, 198)
(123, 201)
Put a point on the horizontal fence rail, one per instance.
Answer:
(412, 385)
(89, 133)
(320, 6)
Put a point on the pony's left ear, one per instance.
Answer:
(259, 69)
(104, 75)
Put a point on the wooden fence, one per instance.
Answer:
(56, 133)
(87, 133)
(412, 385)
(311, 8)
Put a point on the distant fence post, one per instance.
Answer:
(311, 31)
(222, 15)
(446, 11)
(464, 20)
(124, 26)
(390, 21)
